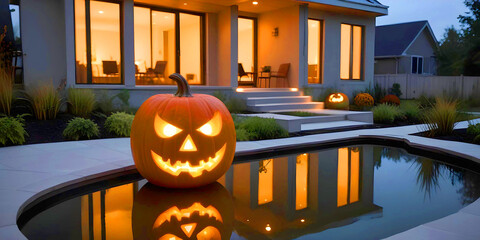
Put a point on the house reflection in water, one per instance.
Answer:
(284, 197)
(288, 197)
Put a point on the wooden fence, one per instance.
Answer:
(413, 86)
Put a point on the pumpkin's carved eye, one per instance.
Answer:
(213, 127)
(165, 129)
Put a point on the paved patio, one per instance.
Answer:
(27, 170)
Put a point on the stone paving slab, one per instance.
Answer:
(27, 170)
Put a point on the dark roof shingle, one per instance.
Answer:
(392, 40)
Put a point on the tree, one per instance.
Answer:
(450, 54)
(471, 38)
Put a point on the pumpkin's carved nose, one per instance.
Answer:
(188, 145)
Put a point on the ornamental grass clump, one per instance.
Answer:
(411, 111)
(81, 128)
(119, 123)
(441, 118)
(6, 91)
(80, 102)
(385, 113)
(45, 102)
(12, 131)
(262, 128)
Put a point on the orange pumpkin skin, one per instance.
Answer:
(337, 101)
(160, 213)
(152, 150)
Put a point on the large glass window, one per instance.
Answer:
(315, 51)
(351, 52)
(98, 43)
(348, 178)
(165, 43)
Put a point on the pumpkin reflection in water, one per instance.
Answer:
(166, 214)
(337, 101)
(182, 140)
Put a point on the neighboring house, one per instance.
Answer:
(405, 48)
(136, 45)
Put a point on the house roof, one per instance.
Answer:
(395, 39)
(363, 5)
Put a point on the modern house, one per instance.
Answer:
(136, 44)
(405, 48)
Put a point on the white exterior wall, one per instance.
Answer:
(43, 42)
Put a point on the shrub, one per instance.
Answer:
(262, 128)
(242, 135)
(220, 95)
(81, 128)
(473, 129)
(385, 113)
(411, 111)
(81, 101)
(476, 140)
(441, 118)
(363, 100)
(105, 102)
(391, 99)
(119, 124)
(236, 105)
(12, 131)
(6, 91)
(45, 102)
(396, 90)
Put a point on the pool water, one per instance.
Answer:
(356, 192)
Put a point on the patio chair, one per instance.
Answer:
(159, 69)
(110, 67)
(282, 73)
(242, 73)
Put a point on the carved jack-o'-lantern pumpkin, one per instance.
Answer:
(337, 101)
(182, 140)
(165, 214)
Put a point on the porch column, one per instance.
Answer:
(70, 42)
(128, 47)
(227, 69)
(303, 45)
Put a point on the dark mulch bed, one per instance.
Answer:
(52, 130)
(459, 135)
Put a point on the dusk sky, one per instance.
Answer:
(439, 13)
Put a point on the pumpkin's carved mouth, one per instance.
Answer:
(174, 212)
(194, 171)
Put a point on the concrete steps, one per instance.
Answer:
(276, 99)
(270, 102)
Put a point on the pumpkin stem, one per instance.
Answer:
(182, 84)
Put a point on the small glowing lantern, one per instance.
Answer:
(200, 213)
(337, 101)
(182, 140)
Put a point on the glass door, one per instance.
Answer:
(246, 51)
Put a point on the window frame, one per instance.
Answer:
(255, 42)
(88, 36)
(177, 37)
(418, 57)
(321, 53)
(362, 53)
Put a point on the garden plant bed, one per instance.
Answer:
(459, 135)
(46, 131)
